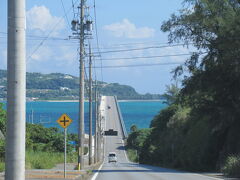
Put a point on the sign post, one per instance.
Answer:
(65, 151)
(64, 121)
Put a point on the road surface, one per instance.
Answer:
(125, 170)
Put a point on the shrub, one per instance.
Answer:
(2, 150)
(2, 166)
(232, 166)
(132, 155)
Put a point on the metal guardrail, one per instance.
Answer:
(125, 134)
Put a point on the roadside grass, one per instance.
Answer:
(46, 160)
(132, 155)
(2, 166)
(232, 166)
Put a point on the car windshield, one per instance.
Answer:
(112, 155)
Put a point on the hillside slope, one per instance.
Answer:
(57, 86)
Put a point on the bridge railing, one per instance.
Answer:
(125, 134)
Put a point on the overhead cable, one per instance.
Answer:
(143, 57)
(96, 32)
(136, 49)
(139, 65)
(65, 13)
(41, 43)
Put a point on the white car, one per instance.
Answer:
(112, 157)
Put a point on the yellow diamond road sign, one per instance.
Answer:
(64, 121)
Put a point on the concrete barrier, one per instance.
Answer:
(124, 131)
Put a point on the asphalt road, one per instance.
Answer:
(125, 170)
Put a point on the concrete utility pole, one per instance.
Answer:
(90, 105)
(99, 142)
(16, 91)
(96, 125)
(81, 96)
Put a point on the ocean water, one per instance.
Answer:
(47, 114)
(139, 113)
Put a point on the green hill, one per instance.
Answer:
(57, 86)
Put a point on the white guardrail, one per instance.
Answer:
(125, 134)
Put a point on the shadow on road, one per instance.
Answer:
(138, 168)
(121, 148)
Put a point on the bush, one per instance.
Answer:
(2, 166)
(132, 155)
(2, 150)
(232, 166)
(3, 116)
(137, 138)
(39, 138)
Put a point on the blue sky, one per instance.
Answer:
(121, 25)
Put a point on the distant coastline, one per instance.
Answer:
(139, 100)
(125, 100)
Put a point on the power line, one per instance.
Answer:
(139, 65)
(136, 43)
(96, 32)
(41, 43)
(145, 57)
(41, 37)
(136, 49)
(65, 13)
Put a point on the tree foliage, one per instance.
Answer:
(39, 138)
(171, 94)
(201, 127)
(2, 119)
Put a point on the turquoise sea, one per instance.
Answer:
(139, 113)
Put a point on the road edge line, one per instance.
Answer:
(96, 173)
(210, 177)
(125, 152)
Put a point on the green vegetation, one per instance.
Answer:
(199, 129)
(57, 86)
(3, 116)
(39, 138)
(232, 166)
(135, 142)
(2, 166)
(44, 146)
(46, 160)
(132, 155)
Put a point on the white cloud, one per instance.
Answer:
(129, 30)
(40, 18)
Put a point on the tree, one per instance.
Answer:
(171, 94)
(211, 26)
(133, 128)
(203, 124)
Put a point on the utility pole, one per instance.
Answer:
(81, 96)
(79, 26)
(16, 91)
(99, 142)
(96, 126)
(90, 105)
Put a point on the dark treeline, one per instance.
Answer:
(200, 128)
